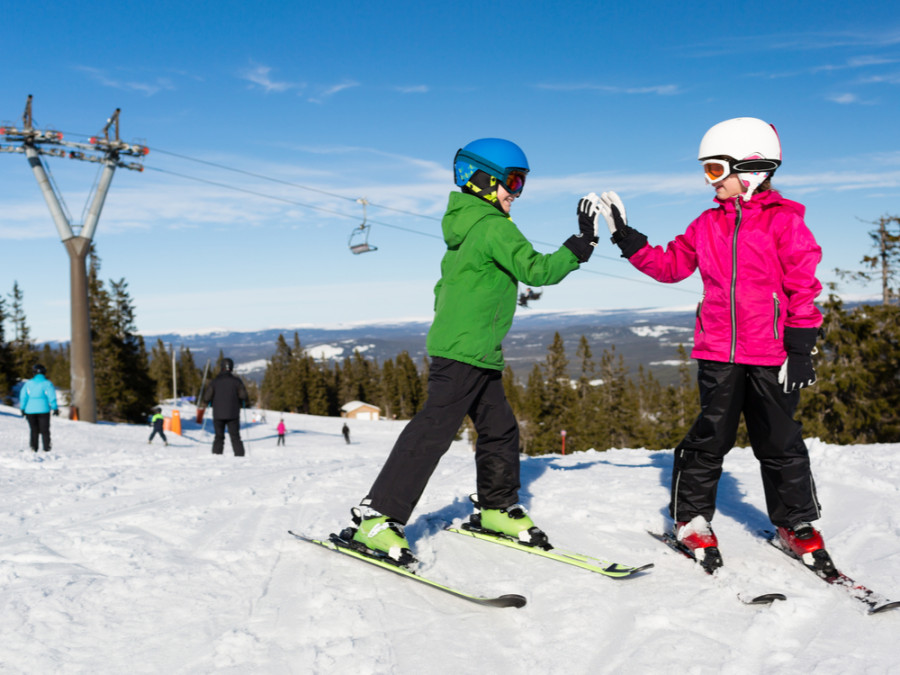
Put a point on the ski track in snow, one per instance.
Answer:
(118, 556)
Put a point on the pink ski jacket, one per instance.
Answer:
(758, 263)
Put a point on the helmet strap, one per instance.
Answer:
(483, 186)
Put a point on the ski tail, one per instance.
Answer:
(338, 545)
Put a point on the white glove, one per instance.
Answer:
(588, 214)
(609, 205)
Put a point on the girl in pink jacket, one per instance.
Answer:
(755, 330)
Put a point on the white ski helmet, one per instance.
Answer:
(751, 142)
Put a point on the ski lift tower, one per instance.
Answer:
(108, 152)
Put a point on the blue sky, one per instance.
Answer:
(268, 120)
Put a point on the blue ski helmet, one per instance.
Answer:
(495, 156)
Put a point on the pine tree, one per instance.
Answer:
(856, 398)
(21, 347)
(189, 375)
(160, 370)
(7, 375)
(619, 400)
(274, 384)
(410, 393)
(679, 406)
(390, 394)
(317, 390)
(124, 389)
(531, 420)
(554, 411)
(884, 263)
(58, 363)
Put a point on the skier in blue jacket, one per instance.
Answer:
(37, 399)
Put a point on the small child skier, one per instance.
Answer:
(157, 422)
(475, 300)
(281, 429)
(755, 331)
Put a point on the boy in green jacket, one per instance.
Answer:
(475, 300)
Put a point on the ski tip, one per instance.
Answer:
(765, 599)
(884, 608)
(510, 600)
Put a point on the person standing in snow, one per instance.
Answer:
(756, 328)
(157, 421)
(37, 399)
(227, 395)
(346, 431)
(475, 300)
(281, 429)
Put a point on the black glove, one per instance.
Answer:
(797, 370)
(23, 413)
(56, 413)
(583, 243)
(626, 238)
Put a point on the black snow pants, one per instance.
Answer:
(234, 431)
(39, 425)
(726, 391)
(455, 389)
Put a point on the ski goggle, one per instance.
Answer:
(466, 163)
(515, 181)
(719, 169)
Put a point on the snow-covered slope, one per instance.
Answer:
(121, 557)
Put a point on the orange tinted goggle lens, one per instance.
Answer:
(715, 170)
(515, 181)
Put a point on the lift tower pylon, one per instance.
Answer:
(34, 144)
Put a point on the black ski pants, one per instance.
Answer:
(455, 389)
(726, 391)
(161, 433)
(39, 425)
(234, 431)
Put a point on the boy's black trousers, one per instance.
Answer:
(455, 389)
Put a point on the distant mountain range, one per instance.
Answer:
(642, 336)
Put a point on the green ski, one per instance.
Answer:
(585, 562)
(338, 545)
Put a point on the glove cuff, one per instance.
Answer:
(580, 246)
(629, 240)
(800, 340)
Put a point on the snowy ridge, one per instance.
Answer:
(118, 556)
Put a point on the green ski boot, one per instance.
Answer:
(512, 522)
(382, 536)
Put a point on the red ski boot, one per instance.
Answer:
(806, 543)
(698, 536)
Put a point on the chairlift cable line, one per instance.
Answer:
(397, 227)
(333, 194)
(353, 199)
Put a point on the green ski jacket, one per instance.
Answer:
(475, 298)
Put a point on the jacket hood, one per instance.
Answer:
(464, 211)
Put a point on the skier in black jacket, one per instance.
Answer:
(227, 395)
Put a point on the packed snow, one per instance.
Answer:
(124, 557)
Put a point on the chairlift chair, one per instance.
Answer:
(359, 237)
(529, 294)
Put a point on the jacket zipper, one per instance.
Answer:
(734, 249)
(777, 311)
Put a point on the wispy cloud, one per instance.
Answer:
(260, 76)
(146, 87)
(847, 99)
(659, 90)
(329, 91)
(417, 89)
(892, 78)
